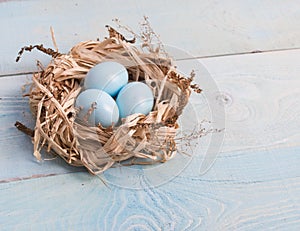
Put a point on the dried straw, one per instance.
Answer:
(140, 138)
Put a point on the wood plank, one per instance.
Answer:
(259, 93)
(254, 183)
(199, 28)
(243, 191)
(17, 161)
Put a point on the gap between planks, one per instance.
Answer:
(191, 58)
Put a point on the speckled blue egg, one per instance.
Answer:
(105, 110)
(107, 76)
(135, 97)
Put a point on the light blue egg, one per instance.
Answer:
(135, 97)
(107, 76)
(106, 110)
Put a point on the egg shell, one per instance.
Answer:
(135, 97)
(106, 110)
(107, 76)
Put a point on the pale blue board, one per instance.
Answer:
(200, 28)
(254, 183)
(17, 161)
(243, 191)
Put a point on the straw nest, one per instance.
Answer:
(139, 139)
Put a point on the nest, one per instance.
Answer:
(139, 139)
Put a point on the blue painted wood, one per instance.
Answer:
(255, 181)
(17, 161)
(243, 81)
(200, 28)
(243, 191)
(260, 94)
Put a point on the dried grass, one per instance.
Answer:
(140, 138)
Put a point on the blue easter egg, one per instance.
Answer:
(135, 97)
(107, 76)
(105, 110)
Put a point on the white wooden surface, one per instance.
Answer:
(202, 28)
(254, 183)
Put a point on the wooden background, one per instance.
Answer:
(254, 184)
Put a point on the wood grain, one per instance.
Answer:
(254, 183)
(200, 28)
(17, 162)
(243, 191)
(259, 93)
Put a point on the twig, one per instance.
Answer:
(24, 129)
(40, 47)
